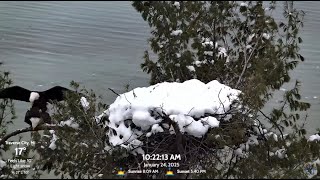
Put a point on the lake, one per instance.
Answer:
(98, 44)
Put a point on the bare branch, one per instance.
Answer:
(119, 94)
(221, 103)
(246, 60)
(29, 129)
(114, 92)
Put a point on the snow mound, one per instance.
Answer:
(193, 105)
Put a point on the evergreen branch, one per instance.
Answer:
(274, 123)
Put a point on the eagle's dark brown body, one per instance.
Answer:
(39, 104)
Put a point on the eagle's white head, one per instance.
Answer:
(34, 96)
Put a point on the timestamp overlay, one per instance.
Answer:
(169, 164)
(19, 163)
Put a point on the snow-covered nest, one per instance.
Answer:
(191, 104)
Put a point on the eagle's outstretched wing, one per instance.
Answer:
(16, 93)
(56, 93)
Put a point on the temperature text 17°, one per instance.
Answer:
(20, 150)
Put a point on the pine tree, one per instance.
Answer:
(242, 45)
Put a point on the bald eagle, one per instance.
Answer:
(38, 99)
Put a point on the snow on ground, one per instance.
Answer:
(188, 104)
